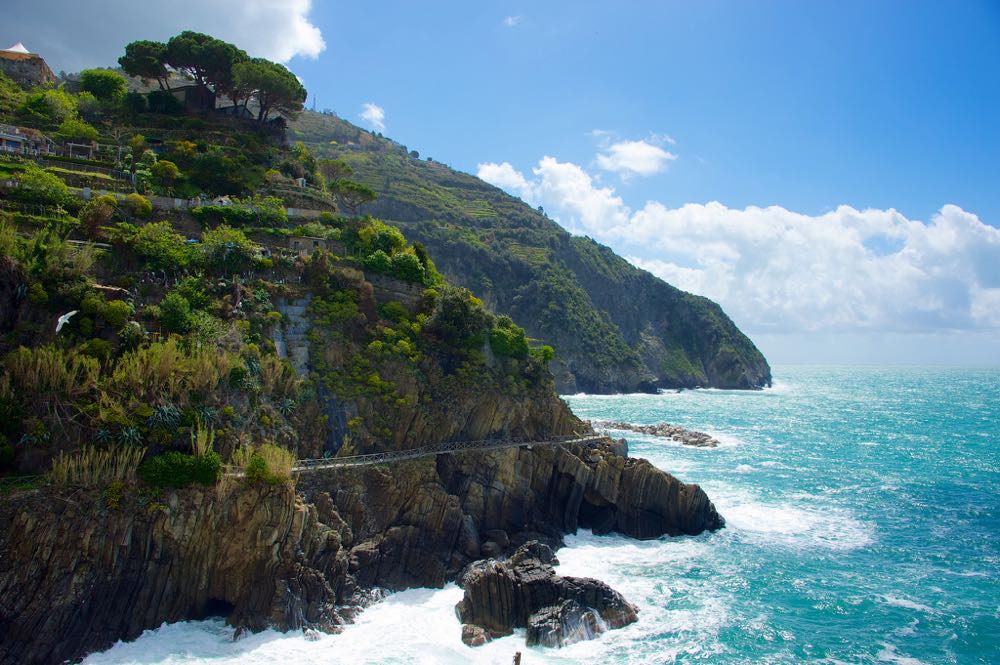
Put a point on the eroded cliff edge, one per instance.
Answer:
(77, 575)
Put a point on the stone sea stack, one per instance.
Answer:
(525, 592)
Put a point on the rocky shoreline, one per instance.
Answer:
(666, 430)
(76, 574)
(525, 592)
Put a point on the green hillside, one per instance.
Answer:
(614, 327)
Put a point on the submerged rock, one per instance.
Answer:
(525, 592)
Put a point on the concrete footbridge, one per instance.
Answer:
(444, 448)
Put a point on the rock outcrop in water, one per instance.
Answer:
(676, 432)
(77, 574)
(525, 592)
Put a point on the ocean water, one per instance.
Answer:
(863, 510)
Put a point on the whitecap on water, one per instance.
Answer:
(906, 603)
(800, 525)
(744, 468)
(888, 654)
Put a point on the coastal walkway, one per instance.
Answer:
(444, 448)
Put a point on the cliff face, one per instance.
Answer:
(615, 328)
(77, 574)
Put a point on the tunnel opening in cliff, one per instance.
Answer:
(216, 608)
(598, 516)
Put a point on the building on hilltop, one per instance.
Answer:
(195, 97)
(26, 68)
(24, 141)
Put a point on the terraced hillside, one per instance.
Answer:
(615, 328)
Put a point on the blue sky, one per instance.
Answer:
(802, 104)
(828, 171)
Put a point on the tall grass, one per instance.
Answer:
(202, 439)
(91, 466)
(166, 371)
(47, 371)
(278, 377)
(267, 463)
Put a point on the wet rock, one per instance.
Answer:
(525, 592)
(666, 430)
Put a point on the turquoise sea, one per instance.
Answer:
(863, 510)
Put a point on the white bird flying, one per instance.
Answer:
(64, 319)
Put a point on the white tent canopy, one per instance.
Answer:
(17, 48)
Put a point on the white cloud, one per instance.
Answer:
(634, 158)
(72, 36)
(511, 21)
(775, 270)
(507, 178)
(374, 115)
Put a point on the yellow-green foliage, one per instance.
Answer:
(50, 371)
(265, 463)
(278, 377)
(92, 466)
(165, 371)
(202, 439)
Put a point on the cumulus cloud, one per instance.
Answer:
(628, 158)
(374, 115)
(507, 178)
(72, 36)
(775, 270)
(511, 21)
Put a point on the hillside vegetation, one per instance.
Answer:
(614, 327)
(154, 346)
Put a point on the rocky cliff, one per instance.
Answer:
(615, 328)
(79, 570)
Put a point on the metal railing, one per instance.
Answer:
(444, 448)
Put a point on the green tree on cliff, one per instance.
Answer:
(147, 60)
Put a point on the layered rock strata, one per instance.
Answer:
(78, 573)
(525, 592)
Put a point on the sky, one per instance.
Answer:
(829, 172)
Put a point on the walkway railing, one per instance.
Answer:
(444, 448)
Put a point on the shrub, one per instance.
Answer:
(407, 267)
(131, 334)
(117, 312)
(95, 213)
(48, 106)
(73, 129)
(176, 469)
(175, 313)
(269, 464)
(509, 342)
(165, 173)
(378, 261)
(38, 186)
(394, 311)
(226, 250)
(105, 84)
(161, 246)
(229, 215)
(138, 205)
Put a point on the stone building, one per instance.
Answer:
(26, 68)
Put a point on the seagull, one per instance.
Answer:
(64, 319)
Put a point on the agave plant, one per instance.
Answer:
(286, 406)
(130, 436)
(103, 435)
(207, 414)
(165, 416)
